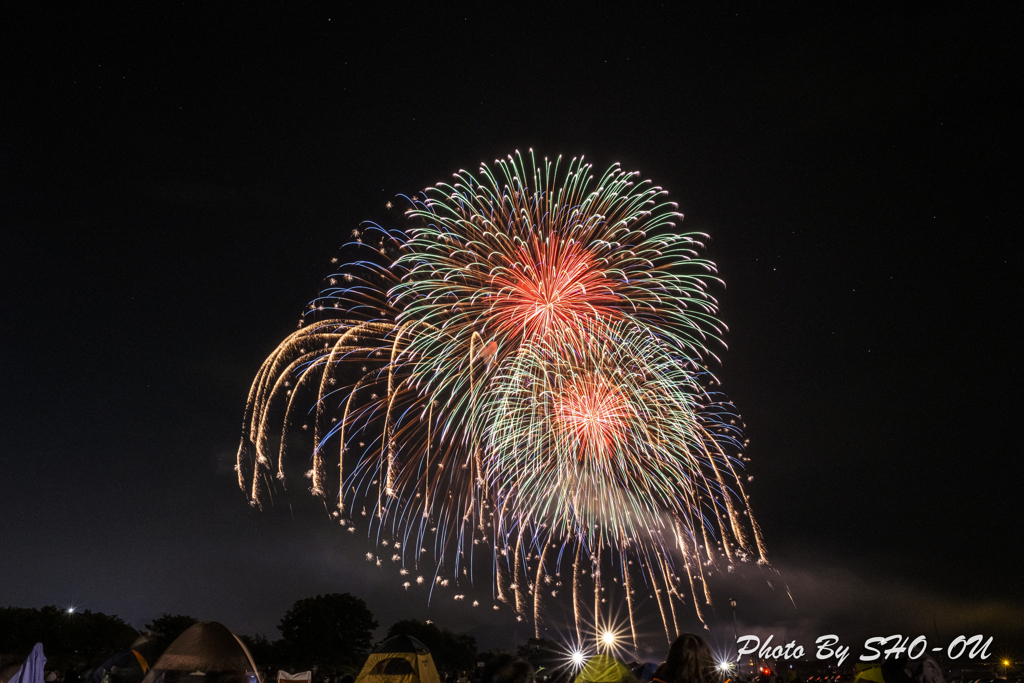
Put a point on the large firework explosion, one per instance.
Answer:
(520, 373)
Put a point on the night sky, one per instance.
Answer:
(175, 181)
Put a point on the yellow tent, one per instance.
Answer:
(604, 669)
(399, 659)
(869, 673)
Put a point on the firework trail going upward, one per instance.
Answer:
(521, 369)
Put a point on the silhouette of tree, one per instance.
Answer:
(332, 632)
(542, 653)
(71, 640)
(266, 654)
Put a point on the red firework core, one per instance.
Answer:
(551, 287)
(594, 412)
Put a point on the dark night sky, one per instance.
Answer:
(174, 182)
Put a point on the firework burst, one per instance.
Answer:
(522, 368)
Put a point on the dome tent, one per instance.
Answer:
(399, 659)
(604, 668)
(28, 670)
(206, 652)
(126, 666)
(645, 672)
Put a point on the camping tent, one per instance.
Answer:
(645, 672)
(604, 669)
(399, 659)
(904, 670)
(28, 671)
(126, 666)
(205, 653)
